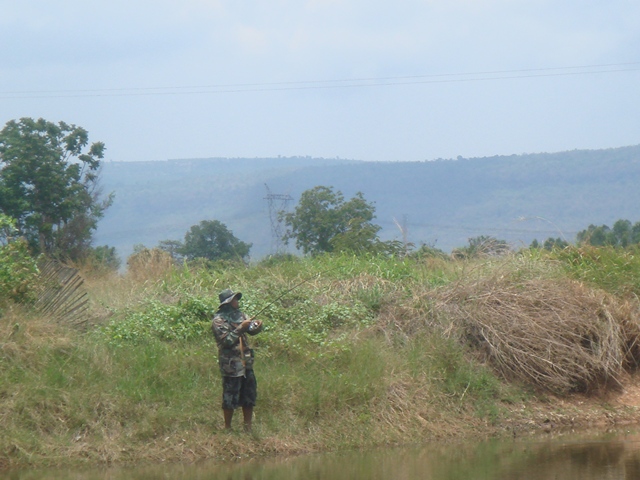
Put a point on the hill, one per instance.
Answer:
(440, 202)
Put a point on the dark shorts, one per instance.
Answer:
(239, 391)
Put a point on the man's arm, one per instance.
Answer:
(226, 335)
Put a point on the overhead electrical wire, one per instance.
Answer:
(478, 230)
(329, 84)
(435, 230)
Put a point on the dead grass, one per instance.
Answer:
(554, 333)
(111, 291)
(22, 331)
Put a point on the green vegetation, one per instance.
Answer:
(365, 342)
(366, 350)
(49, 185)
(323, 222)
(17, 268)
(622, 234)
(210, 240)
(482, 246)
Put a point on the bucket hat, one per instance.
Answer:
(227, 295)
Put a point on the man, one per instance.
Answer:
(239, 387)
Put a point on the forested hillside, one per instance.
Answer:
(442, 203)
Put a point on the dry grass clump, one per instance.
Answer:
(110, 290)
(149, 264)
(553, 333)
(25, 339)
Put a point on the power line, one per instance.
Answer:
(476, 229)
(122, 233)
(329, 84)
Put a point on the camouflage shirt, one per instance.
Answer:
(234, 354)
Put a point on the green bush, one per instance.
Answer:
(187, 320)
(18, 270)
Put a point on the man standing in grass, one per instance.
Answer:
(239, 387)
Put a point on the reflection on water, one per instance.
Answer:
(615, 455)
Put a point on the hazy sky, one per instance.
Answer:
(369, 80)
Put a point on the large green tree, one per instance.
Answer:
(49, 183)
(211, 239)
(324, 222)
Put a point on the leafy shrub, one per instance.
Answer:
(187, 320)
(292, 326)
(18, 269)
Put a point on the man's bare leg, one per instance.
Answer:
(228, 416)
(247, 412)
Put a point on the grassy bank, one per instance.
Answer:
(364, 351)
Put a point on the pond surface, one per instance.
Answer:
(602, 456)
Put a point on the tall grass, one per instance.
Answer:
(613, 269)
(356, 351)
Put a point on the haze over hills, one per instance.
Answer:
(441, 203)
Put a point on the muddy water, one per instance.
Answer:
(602, 456)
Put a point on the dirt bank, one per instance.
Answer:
(616, 407)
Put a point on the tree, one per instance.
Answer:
(212, 240)
(593, 235)
(621, 233)
(324, 222)
(49, 184)
(555, 243)
(105, 257)
(550, 244)
(174, 248)
(635, 233)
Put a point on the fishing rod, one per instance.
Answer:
(286, 292)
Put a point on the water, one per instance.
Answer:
(603, 456)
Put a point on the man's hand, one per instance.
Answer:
(244, 326)
(257, 324)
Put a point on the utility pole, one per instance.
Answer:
(277, 202)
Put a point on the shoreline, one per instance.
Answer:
(553, 416)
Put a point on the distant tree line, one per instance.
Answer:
(324, 222)
(622, 234)
(51, 202)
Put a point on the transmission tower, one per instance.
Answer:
(278, 202)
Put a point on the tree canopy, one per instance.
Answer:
(210, 239)
(324, 222)
(49, 184)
